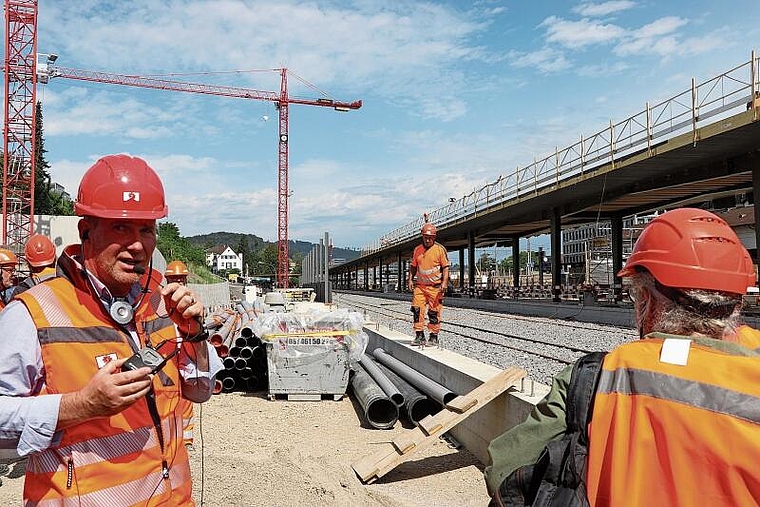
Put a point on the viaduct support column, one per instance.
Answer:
(617, 256)
(541, 267)
(461, 269)
(556, 240)
(471, 262)
(756, 200)
(400, 263)
(366, 276)
(515, 266)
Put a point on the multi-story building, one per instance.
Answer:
(220, 258)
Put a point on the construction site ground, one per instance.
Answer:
(257, 452)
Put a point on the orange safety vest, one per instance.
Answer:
(126, 459)
(665, 434)
(430, 263)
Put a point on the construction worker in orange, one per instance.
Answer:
(92, 376)
(8, 265)
(670, 419)
(430, 266)
(40, 256)
(177, 272)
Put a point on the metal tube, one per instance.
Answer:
(241, 341)
(240, 363)
(382, 380)
(379, 411)
(246, 352)
(433, 389)
(228, 384)
(229, 362)
(417, 406)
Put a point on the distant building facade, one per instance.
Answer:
(220, 258)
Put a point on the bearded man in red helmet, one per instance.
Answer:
(39, 252)
(430, 266)
(100, 427)
(675, 416)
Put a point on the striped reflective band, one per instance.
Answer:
(629, 381)
(54, 312)
(130, 493)
(94, 450)
(105, 448)
(157, 324)
(79, 335)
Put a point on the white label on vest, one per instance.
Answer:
(105, 359)
(675, 351)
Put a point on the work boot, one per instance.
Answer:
(419, 339)
(433, 340)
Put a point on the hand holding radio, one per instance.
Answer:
(110, 391)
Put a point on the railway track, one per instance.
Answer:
(491, 335)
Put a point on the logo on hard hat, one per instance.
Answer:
(130, 196)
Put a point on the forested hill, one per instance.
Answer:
(254, 243)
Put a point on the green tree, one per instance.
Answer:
(46, 200)
(175, 247)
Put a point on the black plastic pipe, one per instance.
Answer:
(428, 386)
(417, 405)
(382, 380)
(379, 411)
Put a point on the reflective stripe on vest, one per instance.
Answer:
(430, 275)
(664, 434)
(108, 454)
(149, 490)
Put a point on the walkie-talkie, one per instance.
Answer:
(147, 357)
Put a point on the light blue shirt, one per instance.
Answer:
(28, 421)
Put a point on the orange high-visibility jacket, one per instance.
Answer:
(118, 460)
(665, 434)
(430, 263)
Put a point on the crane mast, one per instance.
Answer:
(19, 123)
(22, 72)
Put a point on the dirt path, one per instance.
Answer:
(257, 452)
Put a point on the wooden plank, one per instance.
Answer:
(462, 404)
(374, 466)
(404, 443)
(430, 424)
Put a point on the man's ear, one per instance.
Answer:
(84, 230)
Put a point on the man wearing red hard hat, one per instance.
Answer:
(39, 253)
(428, 279)
(673, 417)
(93, 372)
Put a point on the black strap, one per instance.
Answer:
(580, 403)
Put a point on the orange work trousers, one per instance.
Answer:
(429, 296)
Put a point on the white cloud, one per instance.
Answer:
(546, 60)
(603, 9)
(343, 48)
(577, 34)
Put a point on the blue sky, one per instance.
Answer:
(455, 94)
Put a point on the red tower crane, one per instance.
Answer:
(19, 122)
(21, 76)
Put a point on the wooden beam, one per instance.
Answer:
(372, 467)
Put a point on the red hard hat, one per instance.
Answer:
(429, 230)
(7, 258)
(176, 268)
(120, 186)
(691, 248)
(39, 251)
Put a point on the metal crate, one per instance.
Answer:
(307, 367)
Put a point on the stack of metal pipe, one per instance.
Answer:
(242, 353)
(388, 389)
